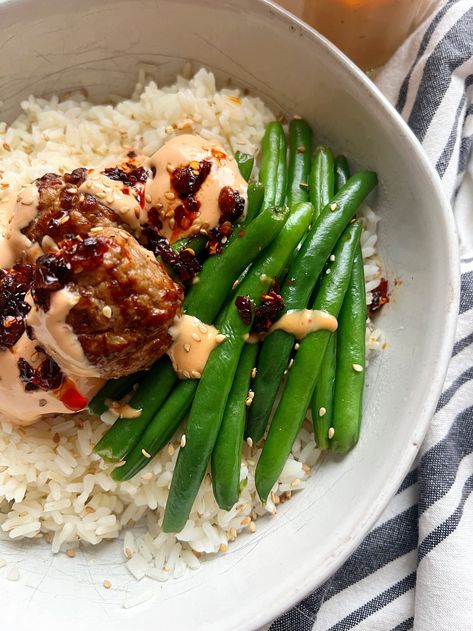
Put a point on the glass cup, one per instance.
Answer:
(368, 31)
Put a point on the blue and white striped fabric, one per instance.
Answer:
(415, 568)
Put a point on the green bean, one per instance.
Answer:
(212, 393)
(255, 200)
(226, 455)
(350, 373)
(150, 395)
(245, 164)
(273, 171)
(321, 179)
(113, 390)
(258, 234)
(300, 148)
(304, 372)
(322, 399)
(296, 291)
(342, 172)
(196, 243)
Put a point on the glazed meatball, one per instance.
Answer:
(127, 300)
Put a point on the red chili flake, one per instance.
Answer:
(184, 263)
(47, 377)
(231, 204)
(71, 397)
(379, 296)
(154, 218)
(14, 284)
(269, 310)
(245, 308)
(187, 180)
(185, 214)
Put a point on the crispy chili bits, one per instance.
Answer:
(47, 376)
(218, 237)
(269, 310)
(231, 204)
(184, 263)
(186, 181)
(245, 308)
(54, 271)
(379, 296)
(129, 178)
(14, 284)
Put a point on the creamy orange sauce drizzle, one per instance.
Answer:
(193, 341)
(57, 337)
(178, 152)
(17, 210)
(303, 321)
(25, 408)
(110, 192)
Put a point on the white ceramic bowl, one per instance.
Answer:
(55, 45)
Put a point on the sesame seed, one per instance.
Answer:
(72, 190)
(295, 482)
(333, 206)
(96, 229)
(196, 337)
(101, 195)
(304, 185)
(169, 195)
(301, 149)
(146, 476)
(186, 374)
(203, 328)
(110, 199)
(297, 346)
(235, 284)
(357, 367)
(331, 432)
(327, 271)
(291, 361)
(145, 453)
(249, 398)
(172, 223)
(171, 449)
(107, 312)
(148, 198)
(322, 411)
(305, 467)
(232, 533)
(71, 553)
(253, 372)
(332, 257)
(223, 240)
(128, 553)
(249, 441)
(107, 584)
(169, 129)
(252, 526)
(220, 338)
(223, 547)
(187, 347)
(183, 440)
(170, 168)
(296, 117)
(196, 374)
(245, 521)
(241, 507)
(285, 372)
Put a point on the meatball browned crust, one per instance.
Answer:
(127, 299)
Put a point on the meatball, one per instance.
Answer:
(126, 299)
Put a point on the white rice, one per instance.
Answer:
(52, 485)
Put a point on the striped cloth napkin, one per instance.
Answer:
(415, 568)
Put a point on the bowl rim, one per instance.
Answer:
(282, 602)
(278, 599)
